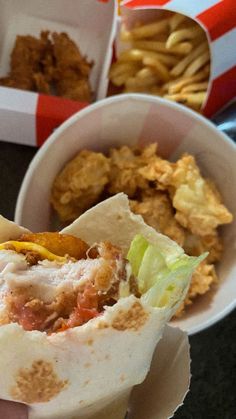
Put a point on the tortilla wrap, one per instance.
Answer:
(87, 371)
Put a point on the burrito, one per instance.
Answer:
(81, 311)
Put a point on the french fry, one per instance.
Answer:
(195, 87)
(146, 74)
(175, 86)
(168, 58)
(120, 67)
(135, 84)
(150, 29)
(191, 99)
(176, 20)
(121, 79)
(159, 68)
(131, 55)
(184, 82)
(197, 64)
(183, 35)
(181, 66)
(139, 55)
(125, 35)
(181, 49)
(121, 71)
(161, 37)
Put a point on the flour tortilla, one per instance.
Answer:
(86, 372)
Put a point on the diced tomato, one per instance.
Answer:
(29, 319)
(87, 307)
(89, 297)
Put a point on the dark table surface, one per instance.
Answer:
(213, 386)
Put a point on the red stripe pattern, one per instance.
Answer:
(223, 90)
(219, 19)
(51, 112)
(143, 3)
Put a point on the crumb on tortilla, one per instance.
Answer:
(132, 319)
(37, 384)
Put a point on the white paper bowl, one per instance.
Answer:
(128, 119)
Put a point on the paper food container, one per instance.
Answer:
(218, 19)
(139, 119)
(90, 23)
(89, 371)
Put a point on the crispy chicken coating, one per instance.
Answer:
(197, 201)
(159, 171)
(80, 184)
(125, 163)
(27, 64)
(71, 73)
(173, 198)
(59, 244)
(157, 211)
(196, 245)
(51, 64)
(202, 279)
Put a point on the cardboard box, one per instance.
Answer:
(27, 117)
(218, 19)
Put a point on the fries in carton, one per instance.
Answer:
(178, 50)
(28, 117)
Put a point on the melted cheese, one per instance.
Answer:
(32, 247)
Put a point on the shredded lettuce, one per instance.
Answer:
(163, 276)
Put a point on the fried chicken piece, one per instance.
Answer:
(203, 278)
(80, 184)
(197, 200)
(27, 64)
(196, 245)
(125, 163)
(42, 86)
(59, 244)
(71, 73)
(157, 211)
(49, 66)
(159, 171)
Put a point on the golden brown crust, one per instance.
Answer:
(71, 72)
(126, 163)
(157, 211)
(59, 244)
(37, 384)
(49, 64)
(80, 184)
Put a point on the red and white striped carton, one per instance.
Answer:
(218, 19)
(27, 117)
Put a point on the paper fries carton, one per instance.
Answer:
(218, 19)
(90, 23)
